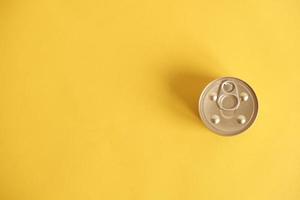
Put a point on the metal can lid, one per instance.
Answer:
(228, 106)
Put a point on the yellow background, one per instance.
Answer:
(98, 99)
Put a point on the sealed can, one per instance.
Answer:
(228, 106)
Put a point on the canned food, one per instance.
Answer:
(228, 106)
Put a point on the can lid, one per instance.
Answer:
(228, 106)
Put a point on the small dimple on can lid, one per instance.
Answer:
(228, 106)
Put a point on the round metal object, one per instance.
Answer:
(228, 106)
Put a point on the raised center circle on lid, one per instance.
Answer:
(228, 86)
(229, 101)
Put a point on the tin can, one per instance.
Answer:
(228, 106)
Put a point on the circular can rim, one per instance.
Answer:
(224, 133)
